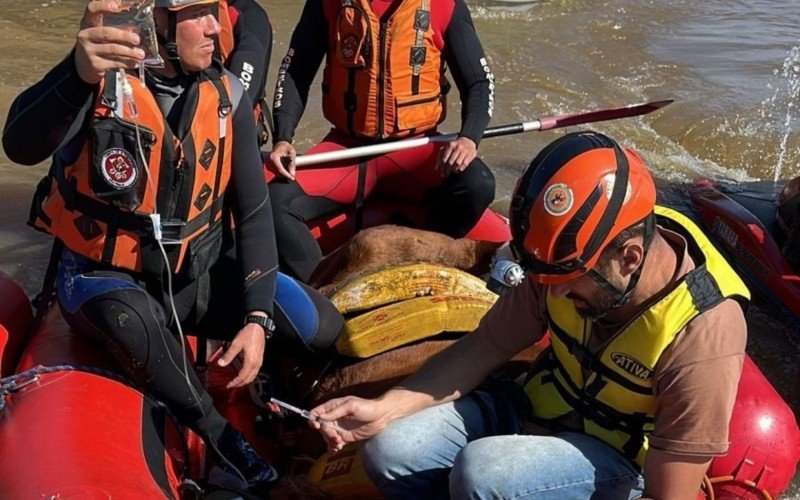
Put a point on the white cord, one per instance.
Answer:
(127, 91)
(178, 325)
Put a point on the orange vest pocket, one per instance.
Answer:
(421, 111)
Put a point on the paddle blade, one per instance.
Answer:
(551, 122)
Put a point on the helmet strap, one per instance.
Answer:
(169, 43)
(621, 297)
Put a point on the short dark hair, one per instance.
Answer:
(619, 240)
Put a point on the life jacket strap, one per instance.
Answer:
(418, 53)
(590, 363)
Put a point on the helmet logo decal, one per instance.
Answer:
(118, 168)
(558, 199)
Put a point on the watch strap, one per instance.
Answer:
(264, 322)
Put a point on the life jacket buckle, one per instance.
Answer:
(168, 227)
(172, 227)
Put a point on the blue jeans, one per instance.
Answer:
(468, 450)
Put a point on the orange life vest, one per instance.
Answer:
(383, 79)
(100, 204)
(225, 36)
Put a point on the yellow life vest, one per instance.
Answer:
(383, 79)
(99, 202)
(612, 390)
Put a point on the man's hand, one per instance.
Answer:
(456, 156)
(99, 48)
(249, 346)
(282, 158)
(347, 420)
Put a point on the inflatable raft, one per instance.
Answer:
(743, 222)
(72, 427)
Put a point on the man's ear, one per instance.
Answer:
(631, 256)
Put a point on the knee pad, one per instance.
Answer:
(302, 313)
(75, 288)
(125, 317)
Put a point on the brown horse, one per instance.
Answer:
(386, 246)
(374, 248)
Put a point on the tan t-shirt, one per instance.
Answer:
(695, 380)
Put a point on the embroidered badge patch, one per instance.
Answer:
(118, 168)
(558, 199)
(349, 46)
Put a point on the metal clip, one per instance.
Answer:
(18, 384)
(158, 228)
(14, 386)
(170, 241)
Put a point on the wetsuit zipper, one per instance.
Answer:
(177, 182)
(381, 77)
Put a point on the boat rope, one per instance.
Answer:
(14, 383)
(709, 482)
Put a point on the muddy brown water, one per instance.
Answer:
(733, 67)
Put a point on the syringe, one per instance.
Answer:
(303, 413)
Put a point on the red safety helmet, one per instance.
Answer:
(568, 206)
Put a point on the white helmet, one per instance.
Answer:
(179, 4)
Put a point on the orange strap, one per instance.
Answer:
(708, 486)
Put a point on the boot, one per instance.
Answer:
(239, 467)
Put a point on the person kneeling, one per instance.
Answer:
(635, 394)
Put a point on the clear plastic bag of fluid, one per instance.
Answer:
(137, 16)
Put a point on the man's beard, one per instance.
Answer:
(600, 305)
(595, 311)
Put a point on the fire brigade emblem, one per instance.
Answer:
(558, 199)
(118, 168)
(349, 46)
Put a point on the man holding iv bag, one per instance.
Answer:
(149, 167)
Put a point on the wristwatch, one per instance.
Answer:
(264, 322)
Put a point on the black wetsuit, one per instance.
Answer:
(455, 205)
(251, 55)
(250, 58)
(130, 312)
